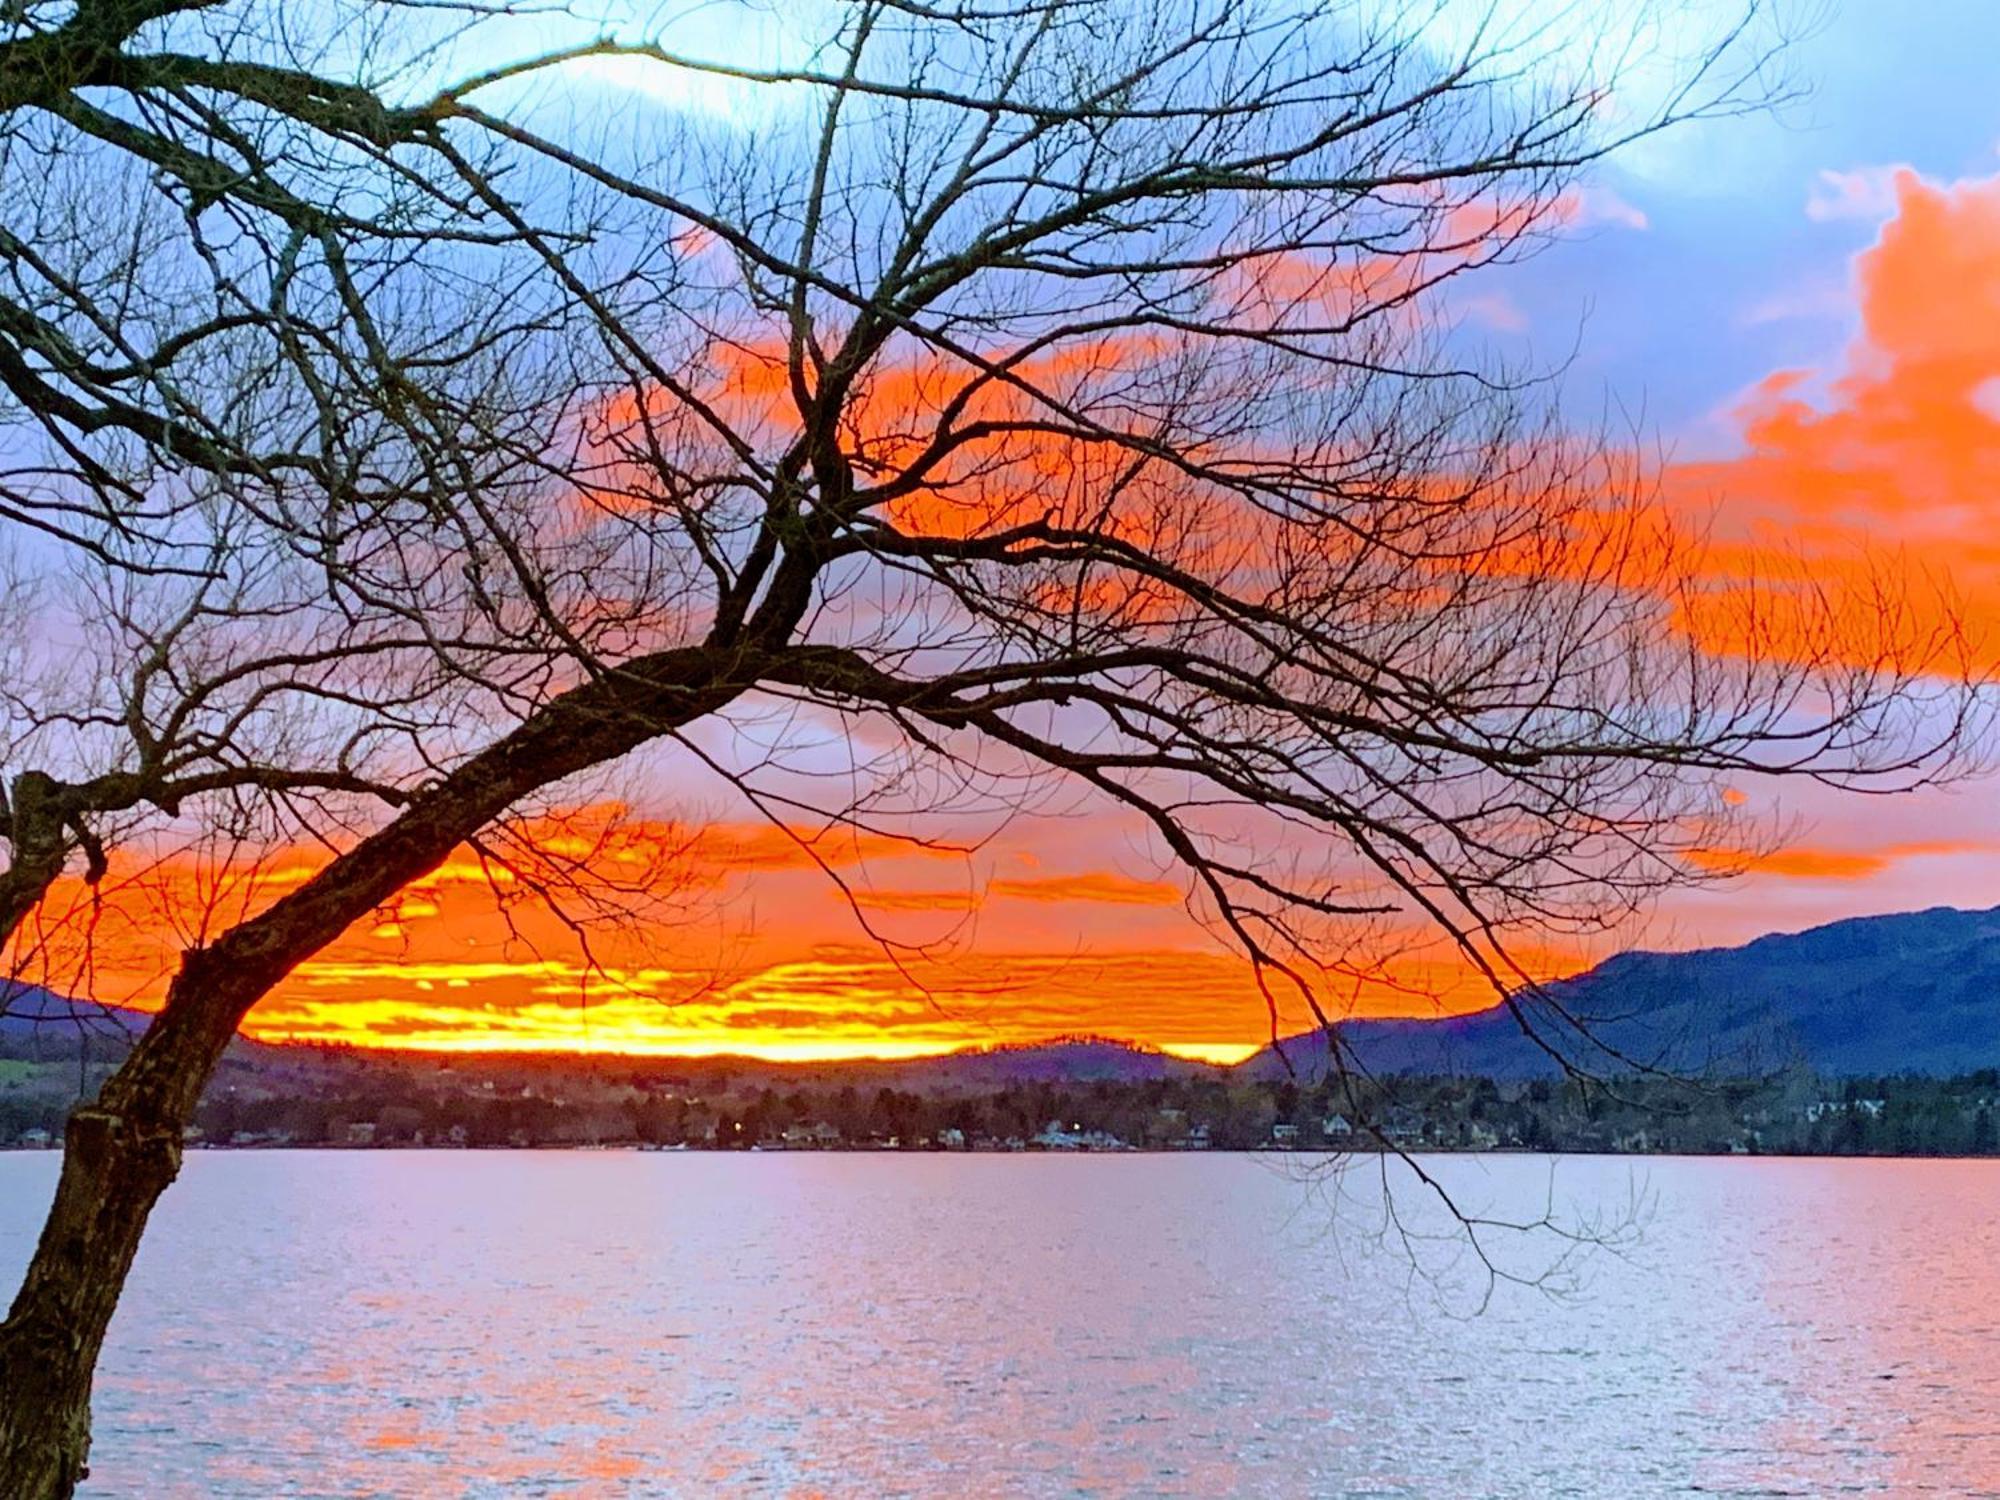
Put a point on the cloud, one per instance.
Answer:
(1494, 310)
(733, 36)
(1867, 194)
(1986, 397)
(1116, 890)
(1817, 299)
(772, 966)
(835, 1002)
(1805, 862)
(928, 901)
(1897, 444)
(743, 848)
(1597, 204)
(1099, 887)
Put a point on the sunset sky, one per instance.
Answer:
(1802, 311)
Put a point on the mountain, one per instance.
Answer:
(30, 1014)
(1064, 1060)
(1914, 992)
(1067, 1059)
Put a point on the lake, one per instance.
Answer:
(594, 1323)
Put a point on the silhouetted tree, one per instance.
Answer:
(1059, 388)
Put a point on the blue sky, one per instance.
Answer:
(1745, 263)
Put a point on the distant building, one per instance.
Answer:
(1055, 1138)
(1284, 1135)
(361, 1133)
(817, 1134)
(1820, 1109)
(1336, 1127)
(1076, 1138)
(34, 1136)
(1403, 1127)
(951, 1138)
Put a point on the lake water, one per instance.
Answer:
(545, 1323)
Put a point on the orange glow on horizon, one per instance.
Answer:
(461, 962)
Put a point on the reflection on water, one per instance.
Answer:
(616, 1324)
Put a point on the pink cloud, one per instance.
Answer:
(1865, 193)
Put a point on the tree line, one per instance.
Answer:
(1798, 1113)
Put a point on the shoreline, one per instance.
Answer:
(1259, 1152)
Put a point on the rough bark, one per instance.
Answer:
(34, 825)
(122, 1151)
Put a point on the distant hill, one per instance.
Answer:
(1069, 1059)
(30, 1014)
(1066, 1059)
(1913, 992)
(37, 1023)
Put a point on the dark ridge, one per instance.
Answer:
(1911, 992)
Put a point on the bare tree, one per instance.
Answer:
(1066, 387)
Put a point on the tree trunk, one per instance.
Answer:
(34, 822)
(122, 1151)
(114, 1169)
(119, 1154)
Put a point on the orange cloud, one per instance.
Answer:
(764, 957)
(1901, 447)
(1116, 890)
(836, 1001)
(744, 848)
(1803, 862)
(1096, 886)
(839, 1000)
(124, 937)
(923, 901)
